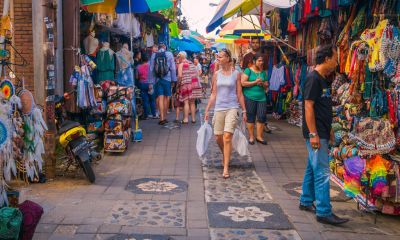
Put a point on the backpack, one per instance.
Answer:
(160, 65)
(31, 212)
(10, 223)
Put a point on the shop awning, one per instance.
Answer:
(122, 6)
(227, 8)
(90, 2)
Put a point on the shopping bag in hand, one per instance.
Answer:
(203, 138)
(239, 142)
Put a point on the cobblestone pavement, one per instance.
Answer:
(160, 189)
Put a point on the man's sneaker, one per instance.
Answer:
(332, 220)
(307, 208)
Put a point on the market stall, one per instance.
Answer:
(113, 35)
(364, 158)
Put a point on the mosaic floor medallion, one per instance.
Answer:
(156, 186)
(148, 214)
(247, 215)
(253, 234)
(337, 195)
(242, 186)
(139, 237)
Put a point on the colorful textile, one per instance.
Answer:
(354, 168)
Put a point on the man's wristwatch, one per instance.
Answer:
(312, 135)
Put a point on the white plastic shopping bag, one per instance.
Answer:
(204, 135)
(239, 142)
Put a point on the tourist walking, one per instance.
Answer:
(146, 89)
(255, 86)
(189, 87)
(162, 73)
(317, 121)
(226, 95)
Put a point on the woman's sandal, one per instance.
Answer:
(183, 122)
(226, 176)
(263, 142)
(252, 142)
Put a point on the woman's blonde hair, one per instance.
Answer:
(182, 54)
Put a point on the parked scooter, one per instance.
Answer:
(80, 151)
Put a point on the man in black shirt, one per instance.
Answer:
(317, 121)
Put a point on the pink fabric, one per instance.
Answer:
(143, 71)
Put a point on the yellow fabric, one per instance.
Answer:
(225, 40)
(6, 27)
(377, 59)
(108, 6)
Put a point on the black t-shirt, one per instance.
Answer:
(317, 89)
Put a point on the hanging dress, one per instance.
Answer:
(105, 65)
(190, 87)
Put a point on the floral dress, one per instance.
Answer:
(189, 87)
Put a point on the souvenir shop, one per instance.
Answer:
(365, 158)
(106, 98)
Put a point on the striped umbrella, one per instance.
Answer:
(227, 8)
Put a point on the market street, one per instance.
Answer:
(194, 202)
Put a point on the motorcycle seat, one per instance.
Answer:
(67, 125)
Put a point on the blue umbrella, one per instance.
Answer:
(185, 45)
(218, 18)
(137, 6)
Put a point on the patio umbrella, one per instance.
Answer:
(142, 6)
(227, 8)
(126, 6)
(247, 24)
(185, 44)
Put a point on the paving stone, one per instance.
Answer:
(66, 230)
(87, 228)
(109, 228)
(83, 236)
(200, 232)
(41, 236)
(253, 234)
(247, 215)
(148, 213)
(139, 237)
(45, 228)
(295, 189)
(242, 186)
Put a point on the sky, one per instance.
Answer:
(198, 13)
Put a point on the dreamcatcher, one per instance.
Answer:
(33, 128)
(7, 163)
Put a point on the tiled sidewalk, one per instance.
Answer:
(159, 189)
(153, 191)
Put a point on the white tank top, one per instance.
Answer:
(226, 91)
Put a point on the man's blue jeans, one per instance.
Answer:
(149, 101)
(316, 179)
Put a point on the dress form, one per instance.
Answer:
(91, 44)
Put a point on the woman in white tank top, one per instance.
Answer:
(226, 95)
